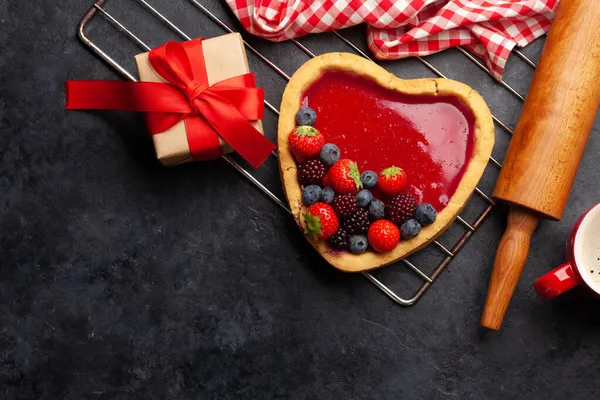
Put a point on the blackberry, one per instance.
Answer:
(311, 172)
(401, 208)
(339, 240)
(358, 222)
(344, 205)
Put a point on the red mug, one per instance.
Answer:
(583, 259)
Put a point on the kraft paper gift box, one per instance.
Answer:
(224, 57)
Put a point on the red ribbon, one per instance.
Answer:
(208, 112)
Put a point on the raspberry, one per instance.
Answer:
(401, 208)
(358, 222)
(311, 172)
(339, 240)
(344, 204)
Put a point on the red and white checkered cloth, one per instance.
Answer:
(403, 28)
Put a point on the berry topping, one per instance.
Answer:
(401, 208)
(311, 172)
(339, 240)
(410, 229)
(364, 197)
(327, 195)
(345, 177)
(392, 180)
(425, 214)
(383, 235)
(377, 209)
(345, 204)
(330, 154)
(321, 221)
(306, 116)
(358, 244)
(369, 179)
(357, 222)
(305, 142)
(327, 180)
(311, 194)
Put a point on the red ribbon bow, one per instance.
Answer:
(208, 111)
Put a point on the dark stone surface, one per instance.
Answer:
(122, 279)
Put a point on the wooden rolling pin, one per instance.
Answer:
(548, 143)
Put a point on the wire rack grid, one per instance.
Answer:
(447, 253)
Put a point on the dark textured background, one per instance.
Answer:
(122, 279)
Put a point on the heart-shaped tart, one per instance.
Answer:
(342, 115)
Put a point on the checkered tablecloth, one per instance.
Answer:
(403, 28)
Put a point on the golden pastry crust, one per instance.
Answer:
(484, 141)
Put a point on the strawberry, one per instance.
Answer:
(345, 177)
(383, 235)
(321, 221)
(305, 142)
(392, 180)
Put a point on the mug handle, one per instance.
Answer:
(557, 281)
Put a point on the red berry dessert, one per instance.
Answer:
(393, 158)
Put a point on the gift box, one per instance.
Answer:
(199, 98)
(224, 57)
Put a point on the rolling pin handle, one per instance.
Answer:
(508, 265)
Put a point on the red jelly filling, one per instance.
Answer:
(430, 137)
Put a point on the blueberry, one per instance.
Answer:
(306, 116)
(358, 244)
(425, 214)
(327, 195)
(410, 229)
(311, 194)
(330, 154)
(368, 179)
(377, 209)
(364, 197)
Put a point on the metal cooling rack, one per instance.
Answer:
(98, 10)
